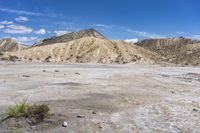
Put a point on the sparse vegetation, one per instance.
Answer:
(19, 109)
(35, 113)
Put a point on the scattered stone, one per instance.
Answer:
(65, 124)
(77, 73)
(94, 113)
(99, 125)
(195, 110)
(80, 116)
(26, 76)
(43, 70)
(173, 92)
(57, 71)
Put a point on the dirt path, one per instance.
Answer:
(108, 98)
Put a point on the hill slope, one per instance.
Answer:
(88, 50)
(10, 45)
(175, 50)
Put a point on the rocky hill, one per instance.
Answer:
(88, 50)
(89, 46)
(10, 45)
(70, 36)
(175, 50)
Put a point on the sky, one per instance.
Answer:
(28, 21)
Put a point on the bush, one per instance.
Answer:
(37, 113)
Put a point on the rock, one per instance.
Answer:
(94, 113)
(57, 71)
(65, 124)
(77, 73)
(195, 110)
(80, 116)
(26, 76)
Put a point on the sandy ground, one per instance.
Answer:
(109, 98)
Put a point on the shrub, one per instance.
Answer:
(37, 113)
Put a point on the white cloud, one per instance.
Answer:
(134, 40)
(2, 26)
(6, 22)
(46, 13)
(60, 32)
(21, 12)
(181, 33)
(99, 25)
(196, 37)
(104, 26)
(21, 19)
(17, 29)
(40, 32)
(25, 40)
(144, 34)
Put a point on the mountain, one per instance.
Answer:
(88, 50)
(175, 50)
(10, 45)
(70, 36)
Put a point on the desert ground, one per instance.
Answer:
(97, 98)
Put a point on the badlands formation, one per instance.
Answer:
(89, 46)
(79, 77)
(86, 46)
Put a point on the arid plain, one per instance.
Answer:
(106, 98)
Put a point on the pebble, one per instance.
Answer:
(65, 124)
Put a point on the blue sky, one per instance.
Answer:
(30, 20)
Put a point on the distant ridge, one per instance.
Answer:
(70, 37)
(177, 50)
(155, 44)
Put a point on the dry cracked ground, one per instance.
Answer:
(107, 98)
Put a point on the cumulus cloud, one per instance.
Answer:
(60, 32)
(40, 32)
(21, 19)
(6, 22)
(134, 40)
(2, 26)
(17, 29)
(25, 40)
